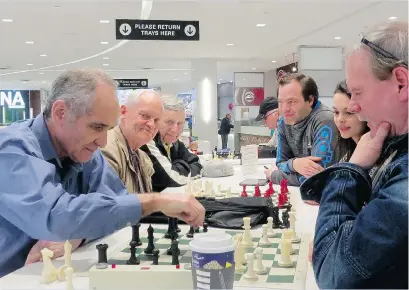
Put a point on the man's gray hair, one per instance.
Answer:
(133, 96)
(393, 38)
(77, 89)
(173, 103)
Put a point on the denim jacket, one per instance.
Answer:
(361, 234)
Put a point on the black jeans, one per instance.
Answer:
(225, 138)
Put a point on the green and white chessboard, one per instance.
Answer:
(276, 277)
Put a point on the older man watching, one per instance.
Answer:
(171, 160)
(55, 183)
(139, 122)
(361, 236)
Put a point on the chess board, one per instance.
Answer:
(276, 277)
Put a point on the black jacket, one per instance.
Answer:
(171, 172)
(225, 126)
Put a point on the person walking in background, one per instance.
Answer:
(224, 130)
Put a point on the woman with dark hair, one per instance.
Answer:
(350, 127)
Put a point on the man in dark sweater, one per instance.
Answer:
(224, 131)
(171, 160)
(307, 134)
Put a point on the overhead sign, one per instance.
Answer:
(132, 83)
(13, 99)
(135, 29)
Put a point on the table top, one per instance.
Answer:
(83, 258)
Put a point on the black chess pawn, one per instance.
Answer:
(175, 252)
(133, 260)
(135, 234)
(205, 225)
(191, 232)
(285, 216)
(151, 246)
(171, 224)
(155, 260)
(175, 225)
(102, 256)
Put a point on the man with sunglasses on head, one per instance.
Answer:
(307, 134)
(361, 235)
(172, 161)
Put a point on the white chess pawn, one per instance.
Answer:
(67, 254)
(228, 191)
(264, 238)
(270, 231)
(68, 274)
(250, 274)
(285, 257)
(259, 269)
(294, 238)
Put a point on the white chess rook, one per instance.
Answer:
(270, 231)
(260, 269)
(239, 254)
(250, 274)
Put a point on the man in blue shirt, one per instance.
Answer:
(54, 183)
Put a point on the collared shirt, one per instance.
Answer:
(43, 197)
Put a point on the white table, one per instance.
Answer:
(28, 277)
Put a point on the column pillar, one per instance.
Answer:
(204, 77)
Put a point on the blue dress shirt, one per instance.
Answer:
(43, 197)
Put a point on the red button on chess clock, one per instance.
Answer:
(113, 266)
(145, 268)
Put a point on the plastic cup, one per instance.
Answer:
(213, 260)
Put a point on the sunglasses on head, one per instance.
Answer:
(380, 50)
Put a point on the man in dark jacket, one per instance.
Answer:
(171, 160)
(361, 234)
(224, 131)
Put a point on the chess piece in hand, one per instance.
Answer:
(182, 206)
(369, 147)
(269, 171)
(56, 247)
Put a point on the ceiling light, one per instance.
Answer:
(337, 37)
(104, 42)
(273, 61)
(218, 83)
(30, 42)
(57, 6)
(43, 82)
(40, 73)
(106, 64)
(104, 21)
(229, 44)
(185, 73)
(43, 55)
(7, 20)
(175, 79)
(30, 64)
(392, 18)
(294, 68)
(106, 57)
(260, 25)
(254, 68)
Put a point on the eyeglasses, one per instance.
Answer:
(380, 50)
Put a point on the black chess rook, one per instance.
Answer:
(102, 253)
(175, 252)
(155, 260)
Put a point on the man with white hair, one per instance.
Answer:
(139, 123)
(361, 236)
(171, 160)
(55, 183)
